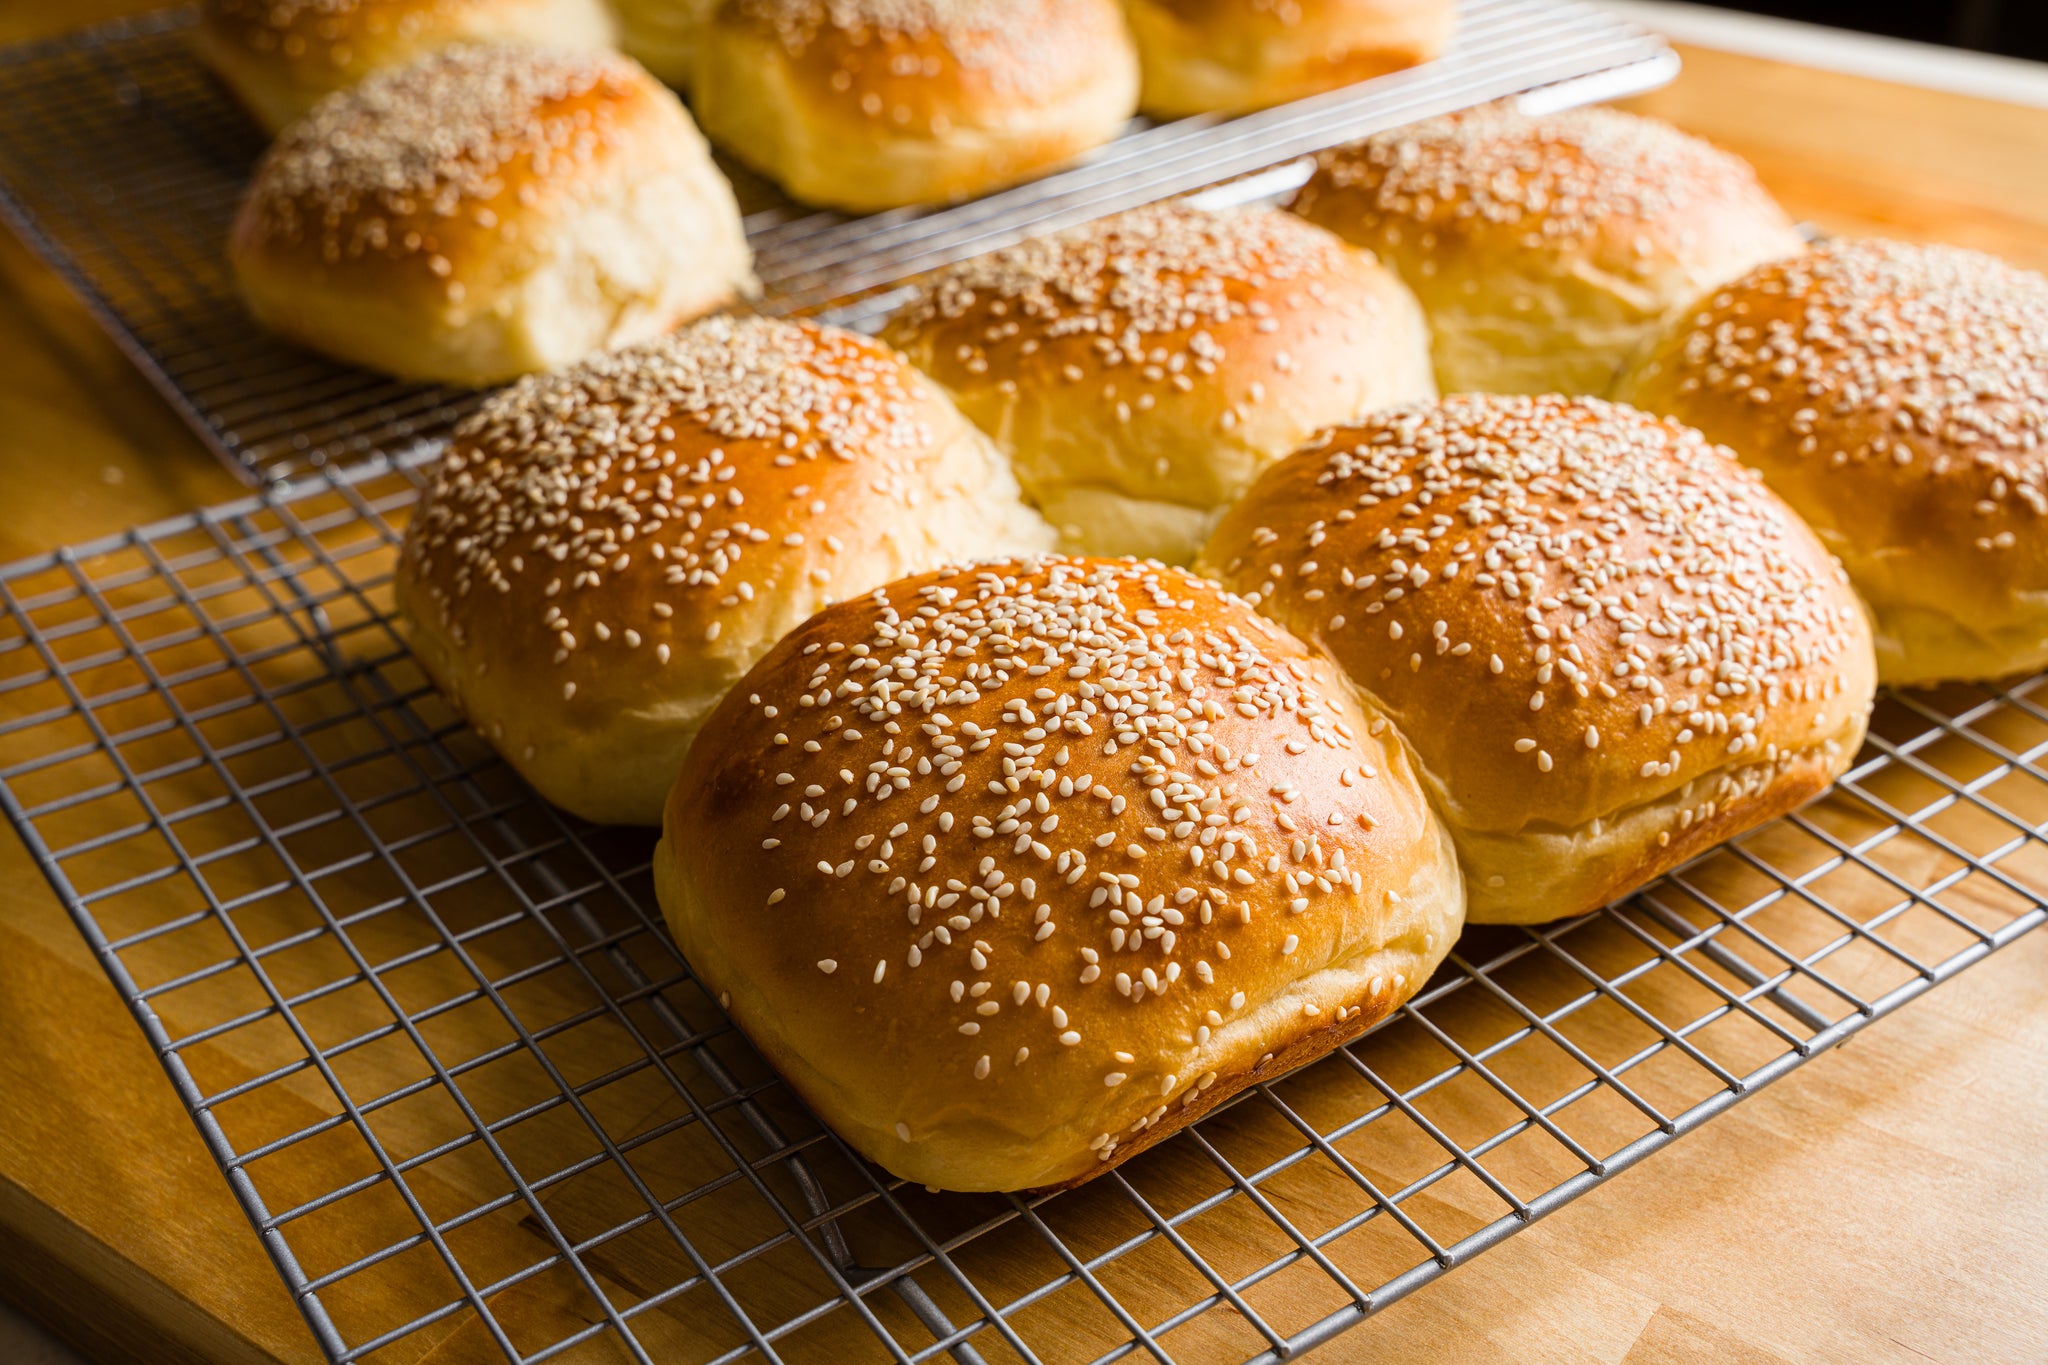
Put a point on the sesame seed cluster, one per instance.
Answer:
(387, 167)
(1558, 177)
(1891, 353)
(1604, 594)
(1002, 41)
(269, 19)
(1080, 791)
(567, 481)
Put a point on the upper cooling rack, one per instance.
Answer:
(121, 160)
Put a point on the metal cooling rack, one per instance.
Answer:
(474, 1102)
(121, 160)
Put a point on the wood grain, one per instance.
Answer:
(1885, 1203)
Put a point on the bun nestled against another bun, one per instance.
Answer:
(1230, 56)
(664, 35)
(1012, 870)
(1609, 644)
(486, 212)
(281, 57)
(1143, 369)
(1545, 249)
(873, 104)
(1897, 397)
(605, 551)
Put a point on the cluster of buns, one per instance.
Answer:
(1012, 857)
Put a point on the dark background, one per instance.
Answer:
(2017, 28)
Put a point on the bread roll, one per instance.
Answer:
(1142, 370)
(605, 551)
(1013, 870)
(1231, 56)
(872, 104)
(1544, 249)
(1897, 397)
(1609, 644)
(663, 35)
(486, 212)
(280, 57)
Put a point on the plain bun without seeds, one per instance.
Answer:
(1897, 397)
(604, 551)
(1608, 644)
(1013, 869)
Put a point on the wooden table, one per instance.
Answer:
(1886, 1203)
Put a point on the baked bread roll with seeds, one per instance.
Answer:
(486, 212)
(1545, 249)
(663, 35)
(874, 104)
(1013, 870)
(1232, 56)
(604, 551)
(1609, 644)
(1141, 370)
(281, 57)
(1897, 397)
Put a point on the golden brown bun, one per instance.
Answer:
(1011, 870)
(663, 35)
(1609, 644)
(872, 104)
(1231, 56)
(1544, 249)
(1897, 397)
(605, 551)
(486, 212)
(1140, 371)
(281, 57)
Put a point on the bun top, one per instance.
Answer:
(1059, 835)
(920, 64)
(1927, 362)
(1247, 326)
(436, 161)
(652, 518)
(1570, 604)
(1592, 180)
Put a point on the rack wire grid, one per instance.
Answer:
(475, 1103)
(121, 160)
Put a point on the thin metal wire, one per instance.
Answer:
(121, 161)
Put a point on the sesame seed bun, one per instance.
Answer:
(873, 104)
(1012, 870)
(1231, 56)
(663, 35)
(281, 57)
(1141, 370)
(1609, 644)
(1544, 249)
(604, 551)
(486, 212)
(1897, 397)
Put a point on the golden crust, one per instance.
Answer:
(605, 551)
(1897, 397)
(486, 212)
(1231, 56)
(1140, 371)
(873, 104)
(1595, 628)
(281, 57)
(1122, 915)
(1544, 249)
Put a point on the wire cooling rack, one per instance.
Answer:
(121, 160)
(476, 1105)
